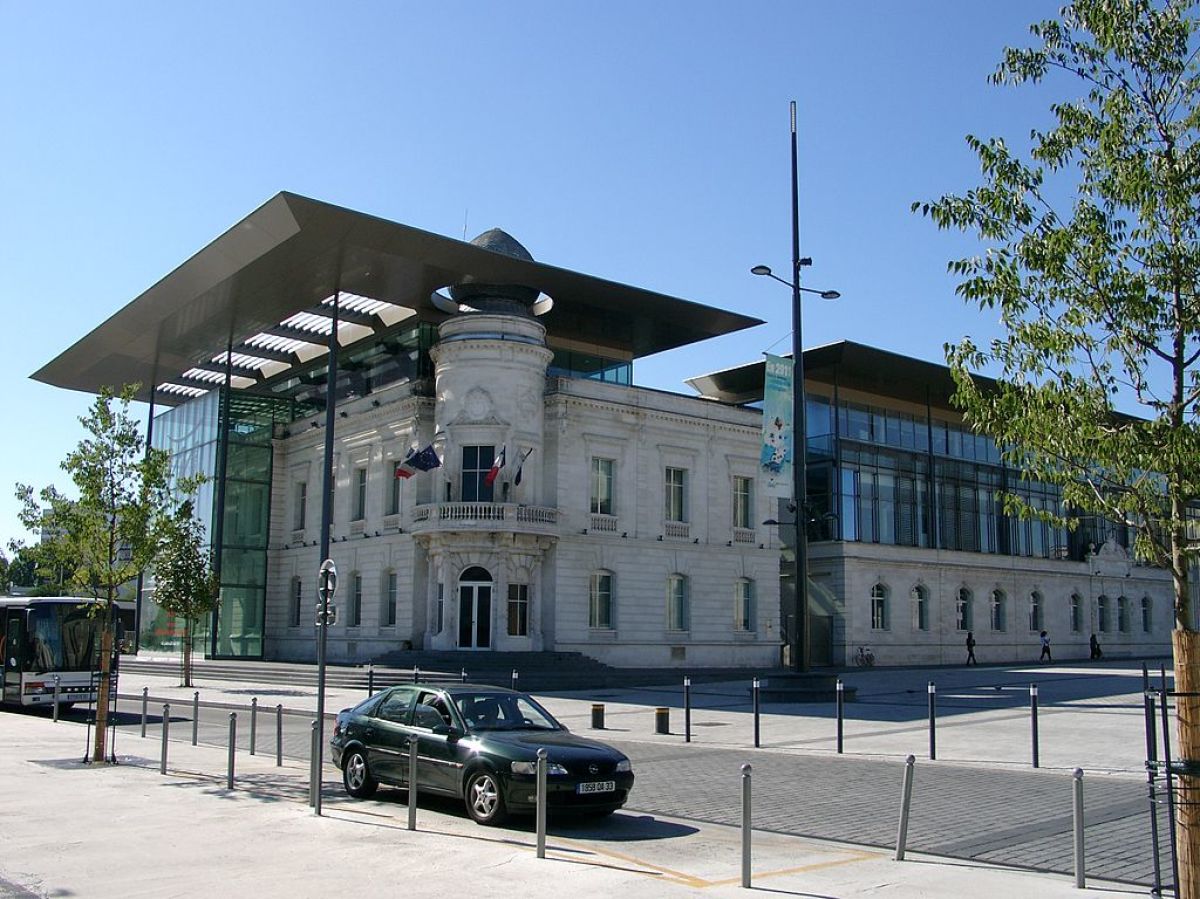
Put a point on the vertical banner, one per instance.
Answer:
(776, 456)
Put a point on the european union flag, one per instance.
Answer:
(425, 460)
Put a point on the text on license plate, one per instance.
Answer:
(600, 786)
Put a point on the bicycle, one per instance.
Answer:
(864, 658)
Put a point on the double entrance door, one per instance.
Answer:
(475, 610)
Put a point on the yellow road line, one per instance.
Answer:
(815, 866)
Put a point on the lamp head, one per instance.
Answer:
(829, 294)
(761, 270)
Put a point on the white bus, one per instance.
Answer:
(46, 636)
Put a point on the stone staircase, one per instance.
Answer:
(541, 672)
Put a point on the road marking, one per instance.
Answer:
(815, 866)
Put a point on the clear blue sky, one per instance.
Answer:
(642, 142)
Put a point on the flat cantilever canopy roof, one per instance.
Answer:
(273, 273)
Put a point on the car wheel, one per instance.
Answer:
(356, 776)
(485, 802)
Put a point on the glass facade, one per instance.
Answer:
(882, 476)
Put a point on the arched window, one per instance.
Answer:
(999, 604)
(1076, 613)
(879, 608)
(1036, 612)
(600, 601)
(1102, 613)
(743, 605)
(920, 599)
(677, 603)
(1123, 614)
(962, 610)
(1147, 618)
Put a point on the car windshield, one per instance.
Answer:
(503, 711)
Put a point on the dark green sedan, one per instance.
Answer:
(480, 744)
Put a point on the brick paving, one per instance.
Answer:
(1020, 818)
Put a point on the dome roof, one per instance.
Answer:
(499, 241)
(513, 298)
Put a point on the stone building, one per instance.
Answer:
(500, 483)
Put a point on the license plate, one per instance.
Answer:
(600, 786)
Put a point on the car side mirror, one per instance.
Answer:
(448, 731)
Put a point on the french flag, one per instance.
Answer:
(490, 477)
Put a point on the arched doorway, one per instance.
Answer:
(475, 609)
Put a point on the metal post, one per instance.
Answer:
(145, 707)
(370, 680)
(756, 711)
(416, 675)
(687, 710)
(279, 735)
(57, 690)
(662, 720)
(162, 765)
(597, 716)
(1151, 762)
(746, 826)
(515, 676)
(905, 804)
(232, 749)
(541, 802)
(195, 716)
(464, 675)
(932, 720)
(841, 712)
(1077, 817)
(1166, 754)
(253, 724)
(1033, 721)
(312, 765)
(412, 783)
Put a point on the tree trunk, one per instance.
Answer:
(187, 652)
(1186, 645)
(102, 693)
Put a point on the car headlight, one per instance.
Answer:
(531, 768)
(624, 766)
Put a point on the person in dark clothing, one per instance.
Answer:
(1095, 644)
(1045, 656)
(971, 648)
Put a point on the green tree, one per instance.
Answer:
(185, 584)
(111, 531)
(1093, 261)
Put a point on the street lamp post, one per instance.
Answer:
(799, 630)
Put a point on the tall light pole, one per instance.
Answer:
(799, 630)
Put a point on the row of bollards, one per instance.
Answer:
(662, 717)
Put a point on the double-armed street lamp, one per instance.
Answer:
(798, 632)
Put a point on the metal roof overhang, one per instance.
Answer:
(850, 365)
(293, 252)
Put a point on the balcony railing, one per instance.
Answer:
(484, 517)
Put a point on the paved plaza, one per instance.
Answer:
(825, 824)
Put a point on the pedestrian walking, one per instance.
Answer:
(971, 649)
(1045, 656)
(1095, 644)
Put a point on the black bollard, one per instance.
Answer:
(932, 720)
(756, 710)
(1033, 722)
(841, 712)
(687, 710)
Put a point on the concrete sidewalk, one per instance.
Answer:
(129, 831)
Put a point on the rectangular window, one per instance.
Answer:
(602, 487)
(677, 603)
(743, 502)
(476, 463)
(355, 601)
(360, 494)
(600, 601)
(1102, 614)
(1123, 614)
(518, 610)
(390, 595)
(301, 506)
(297, 601)
(393, 495)
(676, 494)
(743, 605)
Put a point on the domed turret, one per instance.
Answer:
(511, 298)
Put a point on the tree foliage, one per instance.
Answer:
(1092, 261)
(185, 584)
